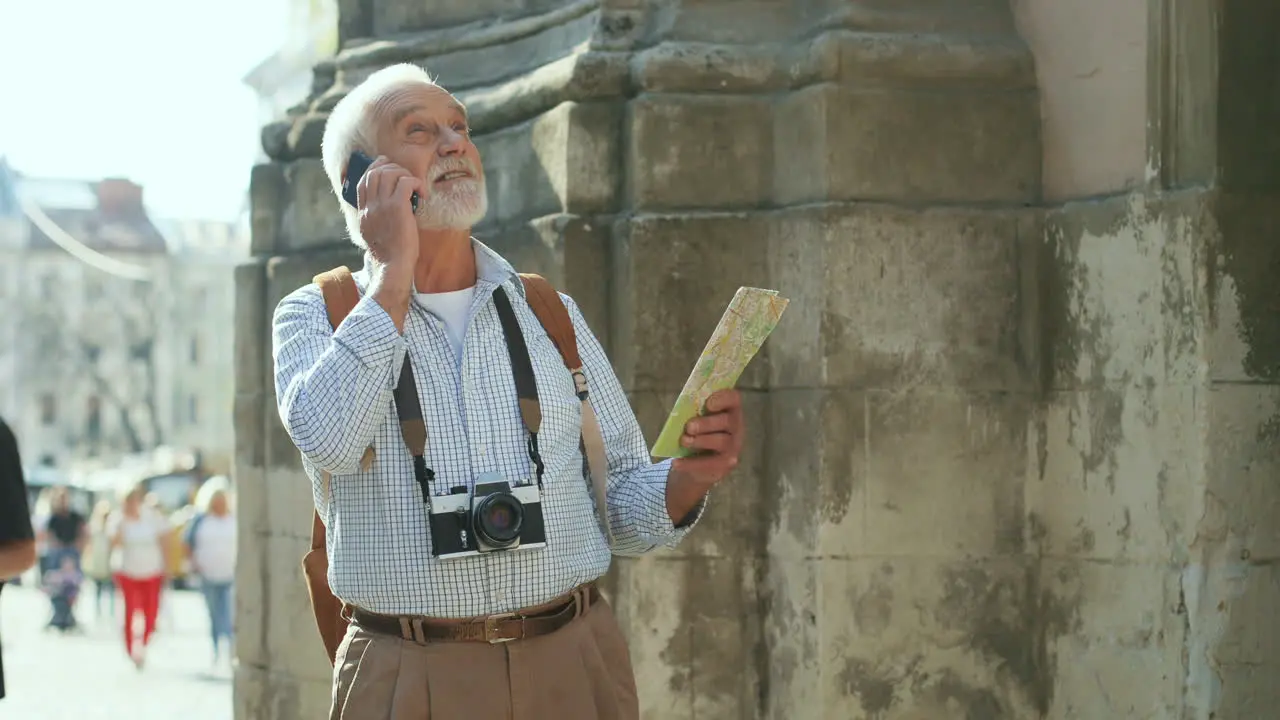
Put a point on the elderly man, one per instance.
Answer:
(421, 607)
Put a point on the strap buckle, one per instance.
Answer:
(491, 626)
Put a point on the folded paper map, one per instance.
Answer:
(751, 316)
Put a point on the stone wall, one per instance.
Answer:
(1010, 459)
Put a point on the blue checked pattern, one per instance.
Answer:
(334, 393)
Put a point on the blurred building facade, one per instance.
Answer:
(116, 335)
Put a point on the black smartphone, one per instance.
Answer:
(356, 167)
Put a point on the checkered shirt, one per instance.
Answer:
(334, 392)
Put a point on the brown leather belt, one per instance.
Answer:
(504, 627)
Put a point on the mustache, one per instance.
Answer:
(452, 164)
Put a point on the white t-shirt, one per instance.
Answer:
(215, 548)
(453, 309)
(140, 554)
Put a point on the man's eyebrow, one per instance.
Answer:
(405, 112)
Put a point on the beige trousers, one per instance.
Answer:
(580, 672)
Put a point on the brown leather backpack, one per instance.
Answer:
(340, 296)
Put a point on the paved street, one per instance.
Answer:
(87, 676)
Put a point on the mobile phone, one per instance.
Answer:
(356, 167)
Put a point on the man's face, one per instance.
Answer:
(424, 129)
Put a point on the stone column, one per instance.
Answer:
(1009, 458)
(872, 161)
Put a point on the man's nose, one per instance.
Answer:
(451, 143)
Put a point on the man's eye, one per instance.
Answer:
(461, 128)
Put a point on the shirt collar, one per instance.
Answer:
(491, 268)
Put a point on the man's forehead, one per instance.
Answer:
(406, 100)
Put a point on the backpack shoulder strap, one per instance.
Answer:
(340, 293)
(340, 297)
(554, 317)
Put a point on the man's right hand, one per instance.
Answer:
(387, 223)
(390, 229)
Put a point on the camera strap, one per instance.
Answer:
(413, 426)
(522, 371)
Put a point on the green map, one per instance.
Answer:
(751, 316)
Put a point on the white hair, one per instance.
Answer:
(351, 126)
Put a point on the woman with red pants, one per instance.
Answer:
(139, 537)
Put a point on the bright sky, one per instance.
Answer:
(150, 90)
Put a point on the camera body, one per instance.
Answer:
(495, 516)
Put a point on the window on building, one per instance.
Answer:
(93, 421)
(48, 409)
(192, 408)
(195, 351)
(47, 460)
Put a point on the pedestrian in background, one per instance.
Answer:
(211, 544)
(64, 534)
(139, 538)
(97, 559)
(17, 539)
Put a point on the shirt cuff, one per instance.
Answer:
(370, 335)
(656, 521)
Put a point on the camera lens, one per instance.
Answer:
(498, 518)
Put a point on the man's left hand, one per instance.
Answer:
(716, 437)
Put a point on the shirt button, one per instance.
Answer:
(480, 449)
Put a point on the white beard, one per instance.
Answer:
(460, 207)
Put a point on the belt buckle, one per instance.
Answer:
(491, 627)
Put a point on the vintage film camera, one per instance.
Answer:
(496, 516)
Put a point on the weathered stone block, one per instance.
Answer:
(251, 489)
(572, 252)
(1242, 500)
(706, 152)
(651, 612)
(398, 16)
(1248, 691)
(290, 502)
(1111, 474)
(1243, 338)
(789, 591)
(945, 471)
(674, 277)
(797, 250)
(1118, 283)
(690, 622)
(251, 606)
(799, 491)
(920, 298)
(470, 64)
(293, 642)
(564, 160)
(916, 145)
(985, 621)
(268, 197)
(250, 331)
(249, 431)
(1123, 654)
(313, 216)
